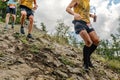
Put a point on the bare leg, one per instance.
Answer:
(86, 38)
(7, 20)
(94, 38)
(23, 17)
(30, 24)
(13, 20)
(30, 27)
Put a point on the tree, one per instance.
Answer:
(72, 40)
(61, 29)
(2, 9)
(111, 48)
(43, 27)
(61, 34)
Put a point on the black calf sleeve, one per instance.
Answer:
(92, 49)
(86, 54)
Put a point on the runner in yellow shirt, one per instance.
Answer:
(82, 25)
(27, 7)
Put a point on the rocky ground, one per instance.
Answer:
(44, 59)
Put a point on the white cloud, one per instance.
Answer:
(107, 18)
(51, 10)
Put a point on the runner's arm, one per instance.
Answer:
(35, 5)
(70, 6)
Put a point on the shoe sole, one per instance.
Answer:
(30, 39)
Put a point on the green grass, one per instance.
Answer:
(99, 57)
(1, 54)
(16, 35)
(114, 64)
(34, 48)
(65, 61)
(59, 40)
(24, 40)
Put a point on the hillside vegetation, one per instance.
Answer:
(46, 59)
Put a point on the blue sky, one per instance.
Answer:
(107, 19)
(115, 1)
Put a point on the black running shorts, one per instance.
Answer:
(11, 10)
(28, 11)
(80, 25)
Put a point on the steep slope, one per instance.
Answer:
(44, 59)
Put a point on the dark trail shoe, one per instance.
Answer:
(30, 38)
(12, 26)
(6, 27)
(86, 67)
(91, 65)
(22, 30)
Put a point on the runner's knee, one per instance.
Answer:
(23, 13)
(88, 43)
(7, 15)
(31, 18)
(96, 41)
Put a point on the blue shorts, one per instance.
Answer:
(11, 10)
(80, 25)
(28, 11)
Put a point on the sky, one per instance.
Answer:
(107, 11)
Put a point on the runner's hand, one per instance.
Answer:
(35, 6)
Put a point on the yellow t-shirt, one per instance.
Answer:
(27, 3)
(83, 8)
